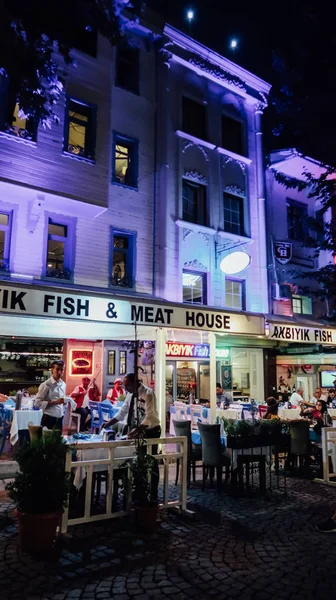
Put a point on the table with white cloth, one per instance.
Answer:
(289, 413)
(21, 419)
(95, 454)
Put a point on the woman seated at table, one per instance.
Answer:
(272, 408)
(318, 415)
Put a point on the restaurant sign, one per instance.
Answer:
(50, 303)
(300, 334)
(177, 350)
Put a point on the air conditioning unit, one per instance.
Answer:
(282, 291)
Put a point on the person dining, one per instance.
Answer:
(317, 396)
(318, 415)
(272, 408)
(297, 398)
(114, 393)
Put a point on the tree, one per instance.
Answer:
(36, 45)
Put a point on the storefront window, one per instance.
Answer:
(122, 362)
(111, 362)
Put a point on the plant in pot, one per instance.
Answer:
(140, 481)
(40, 490)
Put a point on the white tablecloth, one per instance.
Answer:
(233, 454)
(332, 412)
(289, 413)
(96, 454)
(21, 418)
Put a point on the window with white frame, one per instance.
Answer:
(194, 287)
(302, 305)
(59, 258)
(234, 293)
(5, 232)
(232, 135)
(194, 202)
(233, 213)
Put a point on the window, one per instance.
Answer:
(5, 230)
(127, 68)
(302, 305)
(194, 202)
(234, 294)
(111, 362)
(232, 135)
(233, 214)
(122, 362)
(194, 287)
(125, 161)
(16, 124)
(194, 118)
(123, 259)
(79, 134)
(59, 260)
(297, 220)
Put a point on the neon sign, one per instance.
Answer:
(178, 350)
(222, 352)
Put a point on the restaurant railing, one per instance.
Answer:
(113, 462)
(328, 451)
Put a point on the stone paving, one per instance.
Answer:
(233, 547)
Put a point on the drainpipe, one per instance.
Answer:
(261, 208)
(155, 174)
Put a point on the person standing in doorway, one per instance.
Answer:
(50, 397)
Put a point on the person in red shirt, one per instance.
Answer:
(114, 393)
(81, 395)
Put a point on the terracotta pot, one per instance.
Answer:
(37, 533)
(146, 517)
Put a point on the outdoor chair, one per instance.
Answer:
(213, 456)
(4, 428)
(262, 410)
(300, 444)
(183, 428)
(96, 416)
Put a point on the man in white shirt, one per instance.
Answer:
(50, 397)
(317, 396)
(296, 398)
(143, 417)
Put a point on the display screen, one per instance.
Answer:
(328, 378)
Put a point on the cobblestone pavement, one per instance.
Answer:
(252, 549)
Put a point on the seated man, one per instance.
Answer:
(114, 393)
(79, 394)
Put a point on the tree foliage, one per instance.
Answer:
(36, 42)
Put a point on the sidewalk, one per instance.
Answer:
(233, 548)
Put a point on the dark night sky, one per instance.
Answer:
(303, 33)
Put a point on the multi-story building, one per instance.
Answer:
(296, 312)
(144, 203)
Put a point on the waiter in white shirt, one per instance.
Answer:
(147, 419)
(50, 397)
(296, 398)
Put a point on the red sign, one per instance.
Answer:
(177, 350)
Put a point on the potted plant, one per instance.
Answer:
(40, 490)
(140, 480)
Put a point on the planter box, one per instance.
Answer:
(256, 441)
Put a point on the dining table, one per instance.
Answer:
(20, 421)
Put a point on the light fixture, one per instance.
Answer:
(235, 262)
(190, 15)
